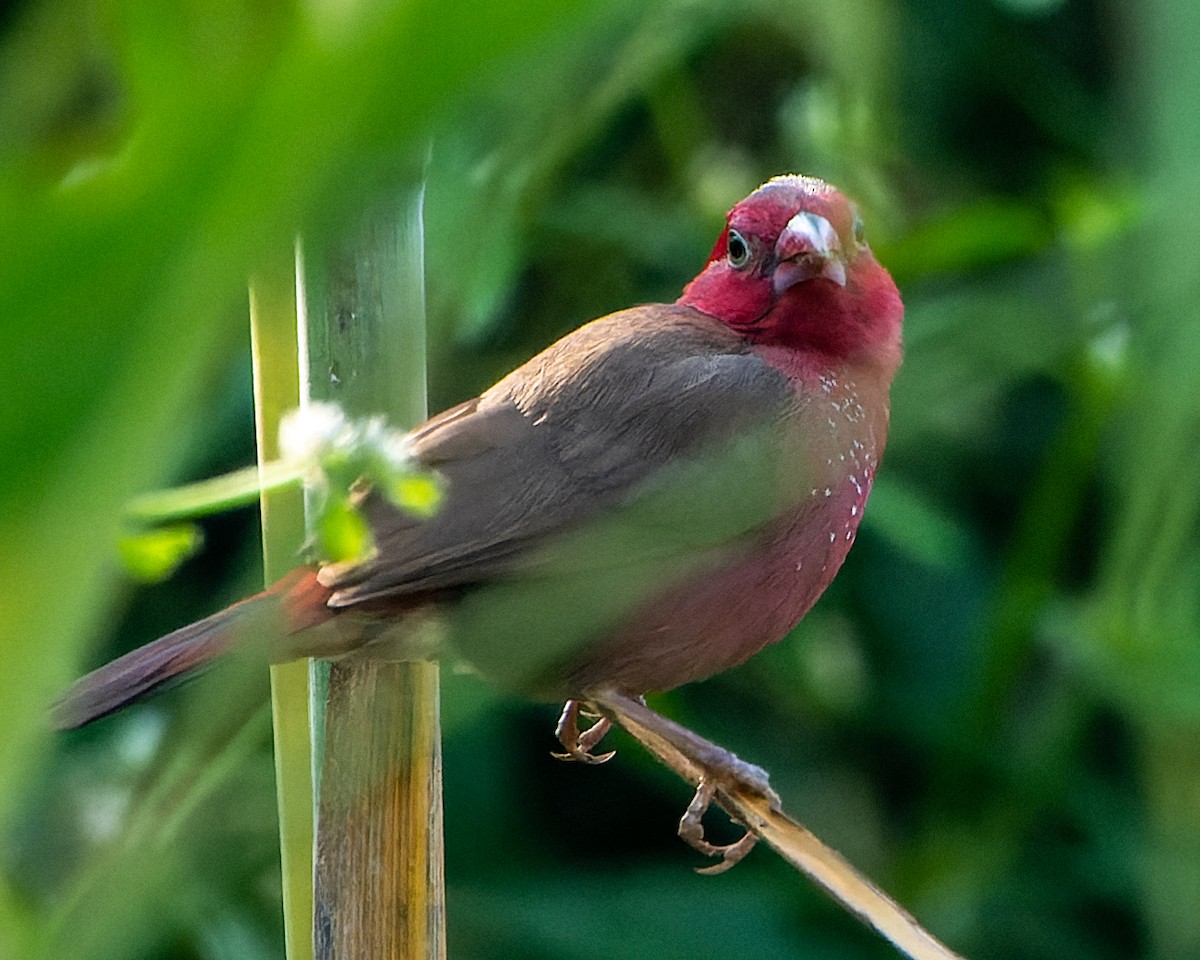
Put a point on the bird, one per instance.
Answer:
(647, 502)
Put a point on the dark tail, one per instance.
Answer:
(185, 652)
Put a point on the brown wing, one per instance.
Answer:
(585, 425)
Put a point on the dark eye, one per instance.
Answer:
(739, 250)
(860, 232)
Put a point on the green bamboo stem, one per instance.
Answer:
(275, 346)
(378, 867)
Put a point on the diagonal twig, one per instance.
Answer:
(741, 790)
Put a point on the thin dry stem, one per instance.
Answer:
(741, 790)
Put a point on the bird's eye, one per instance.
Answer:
(860, 231)
(739, 250)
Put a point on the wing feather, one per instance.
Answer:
(586, 425)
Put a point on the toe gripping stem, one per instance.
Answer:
(580, 744)
(713, 769)
(691, 831)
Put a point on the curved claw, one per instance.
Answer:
(691, 831)
(579, 744)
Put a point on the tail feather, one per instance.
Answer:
(188, 650)
(182, 653)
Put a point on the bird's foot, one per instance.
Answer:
(691, 831)
(579, 744)
(717, 773)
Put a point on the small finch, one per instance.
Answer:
(649, 501)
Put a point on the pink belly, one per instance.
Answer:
(716, 620)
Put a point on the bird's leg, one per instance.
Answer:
(691, 831)
(712, 768)
(579, 744)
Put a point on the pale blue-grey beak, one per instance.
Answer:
(807, 248)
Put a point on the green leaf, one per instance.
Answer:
(918, 525)
(418, 493)
(973, 237)
(231, 490)
(156, 554)
(342, 532)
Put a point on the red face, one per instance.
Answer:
(792, 269)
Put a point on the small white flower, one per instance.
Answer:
(308, 435)
(396, 451)
(370, 435)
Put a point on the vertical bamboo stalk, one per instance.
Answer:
(275, 346)
(379, 888)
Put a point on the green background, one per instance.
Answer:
(994, 712)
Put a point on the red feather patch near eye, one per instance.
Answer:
(719, 248)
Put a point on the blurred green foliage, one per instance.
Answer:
(995, 711)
